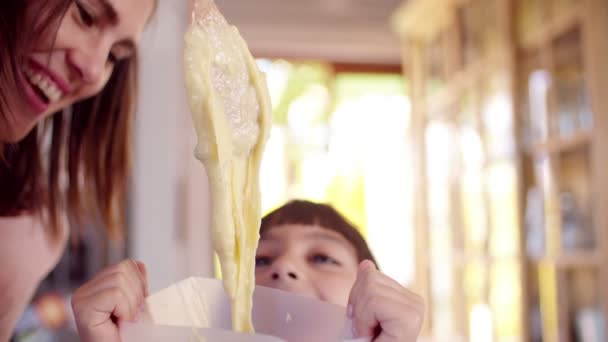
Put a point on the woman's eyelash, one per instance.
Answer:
(112, 58)
(85, 16)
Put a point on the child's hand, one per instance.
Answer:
(382, 308)
(114, 295)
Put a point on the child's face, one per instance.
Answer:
(307, 260)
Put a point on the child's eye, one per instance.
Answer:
(262, 261)
(85, 16)
(323, 259)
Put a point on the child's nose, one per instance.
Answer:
(284, 270)
(278, 275)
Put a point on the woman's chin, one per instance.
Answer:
(15, 134)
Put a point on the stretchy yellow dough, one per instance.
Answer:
(230, 107)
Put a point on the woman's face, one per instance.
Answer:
(76, 63)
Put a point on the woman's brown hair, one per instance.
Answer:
(76, 162)
(317, 214)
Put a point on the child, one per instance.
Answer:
(305, 248)
(310, 249)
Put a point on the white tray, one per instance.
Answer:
(198, 309)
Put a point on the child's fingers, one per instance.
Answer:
(133, 283)
(136, 282)
(365, 319)
(91, 284)
(111, 296)
(107, 281)
(374, 306)
(379, 283)
(143, 274)
(369, 277)
(115, 301)
(397, 322)
(111, 270)
(366, 265)
(380, 304)
(115, 293)
(396, 296)
(123, 275)
(366, 268)
(96, 310)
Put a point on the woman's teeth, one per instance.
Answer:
(46, 86)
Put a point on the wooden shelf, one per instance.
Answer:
(445, 98)
(562, 144)
(572, 36)
(462, 258)
(573, 259)
(558, 26)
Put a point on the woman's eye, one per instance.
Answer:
(85, 16)
(324, 259)
(262, 261)
(112, 59)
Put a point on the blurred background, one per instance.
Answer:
(467, 139)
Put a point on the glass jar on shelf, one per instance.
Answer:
(532, 88)
(576, 232)
(572, 111)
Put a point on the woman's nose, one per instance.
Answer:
(88, 64)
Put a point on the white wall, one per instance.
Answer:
(170, 206)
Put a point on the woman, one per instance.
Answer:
(67, 94)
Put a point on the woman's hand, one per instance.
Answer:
(115, 294)
(380, 307)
